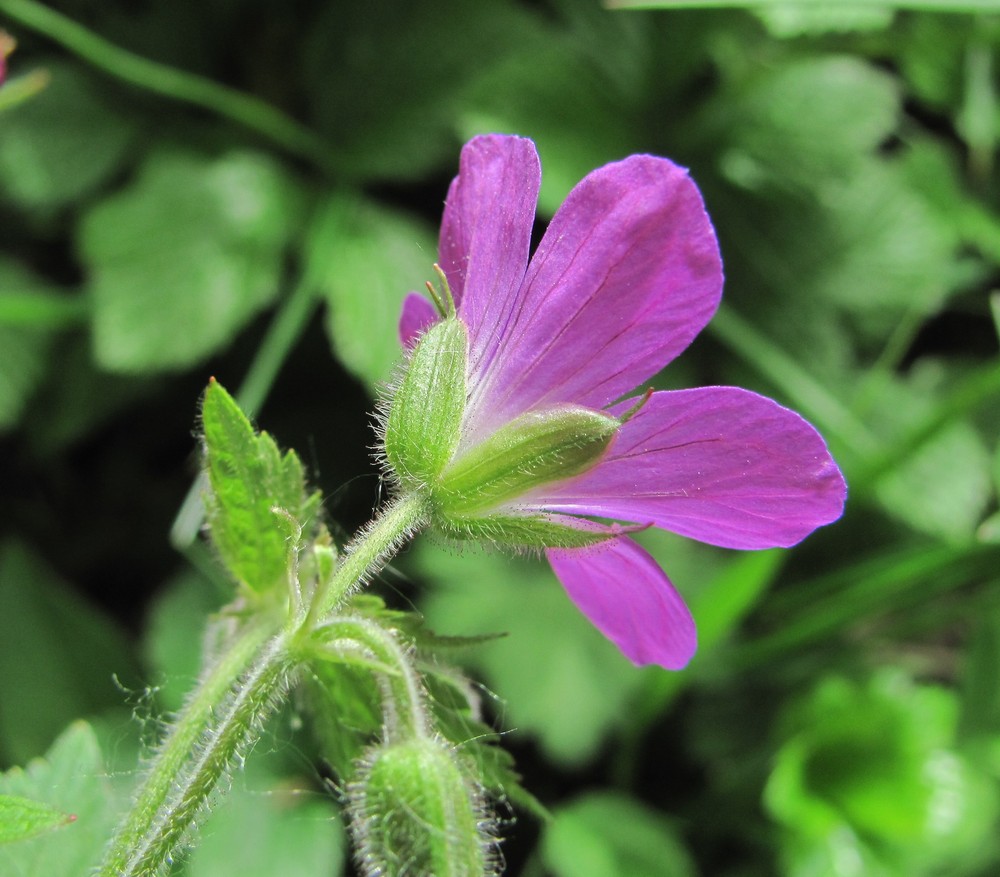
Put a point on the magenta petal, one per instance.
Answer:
(627, 274)
(486, 233)
(625, 594)
(417, 314)
(718, 464)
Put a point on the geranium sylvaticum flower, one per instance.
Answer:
(514, 415)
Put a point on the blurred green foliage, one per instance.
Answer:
(249, 188)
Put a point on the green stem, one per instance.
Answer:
(152, 828)
(220, 720)
(161, 79)
(367, 553)
(402, 699)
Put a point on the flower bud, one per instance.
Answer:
(414, 812)
(472, 491)
(425, 417)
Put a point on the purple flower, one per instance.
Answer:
(627, 274)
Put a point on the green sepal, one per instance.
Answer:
(533, 531)
(257, 506)
(534, 449)
(425, 416)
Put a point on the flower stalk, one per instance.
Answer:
(246, 684)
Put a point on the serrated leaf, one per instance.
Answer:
(61, 144)
(21, 818)
(72, 779)
(258, 499)
(347, 705)
(494, 766)
(180, 260)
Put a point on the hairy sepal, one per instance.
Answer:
(534, 449)
(522, 531)
(424, 423)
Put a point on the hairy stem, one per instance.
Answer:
(402, 694)
(224, 715)
(172, 799)
(370, 550)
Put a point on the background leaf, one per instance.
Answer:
(59, 656)
(371, 257)
(181, 259)
(72, 779)
(610, 835)
(21, 818)
(63, 143)
(560, 680)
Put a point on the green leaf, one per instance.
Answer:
(258, 502)
(346, 712)
(21, 818)
(25, 342)
(367, 258)
(611, 835)
(495, 769)
(185, 256)
(58, 655)
(412, 60)
(877, 761)
(929, 5)
(62, 144)
(775, 133)
(555, 86)
(941, 485)
(71, 779)
(562, 681)
(268, 826)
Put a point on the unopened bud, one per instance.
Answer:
(415, 812)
